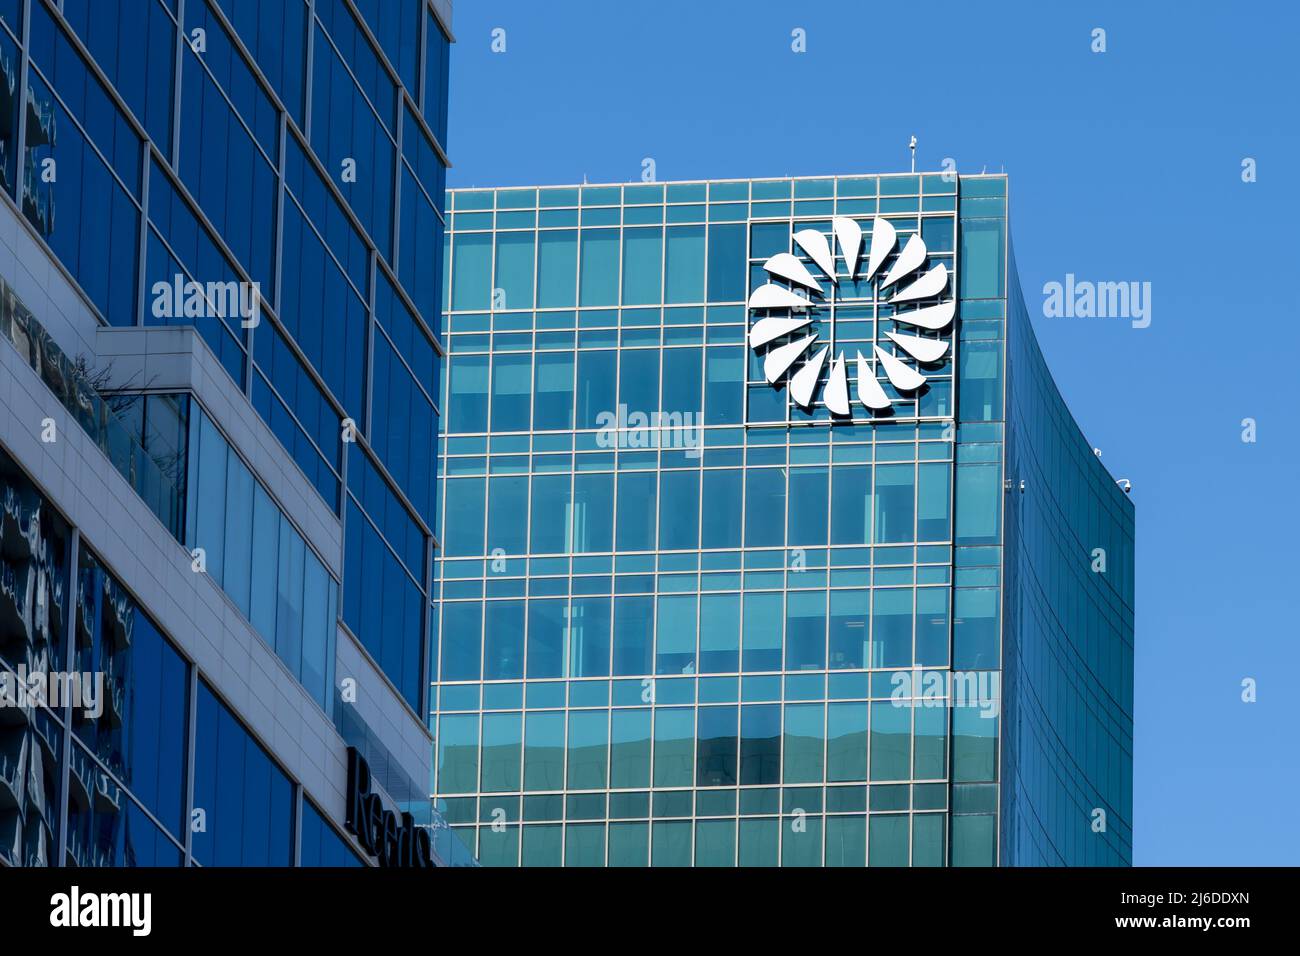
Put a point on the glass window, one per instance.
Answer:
(629, 844)
(727, 261)
(978, 504)
(636, 511)
(931, 749)
(321, 845)
(808, 506)
(684, 264)
(512, 390)
(851, 506)
(764, 505)
(724, 386)
(671, 843)
(891, 627)
(932, 627)
(633, 635)
(805, 741)
(584, 844)
(471, 270)
(589, 630)
(715, 843)
(468, 400)
(463, 526)
(502, 750)
(895, 503)
(760, 744)
(140, 729)
(975, 628)
(934, 495)
(717, 748)
(888, 841)
(550, 515)
(247, 802)
(593, 512)
(846, 747)
(848, 628)
(642, 265)
(553, 391)
(507, 531)
(719, 633)
(759, 841)
(683, 379)
(679, 510)
(805, 630)
(846, 840)
(674, 748)
(675, 632)
(503, 640)
(458, 753)
(597, 375)
(557, 269)
(514, 284)
(544, 751)
(638, 382)
(630, 748)
(461, 642)
(546, 633)
(720, 511)
(600, 251)
(588, 747)
(891, 740)
(762, 634)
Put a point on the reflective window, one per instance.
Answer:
(247, 802)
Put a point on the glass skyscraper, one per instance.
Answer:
(220, 245)
(767, 538)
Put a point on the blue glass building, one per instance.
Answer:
(220, 245)
(708, 595)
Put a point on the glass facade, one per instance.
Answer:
(129, 743)
(685, 619)
(223, 157)
(166, 154)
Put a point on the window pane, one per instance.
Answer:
(675, 631)
(719, 633)
(894, 503)
(553, 392)
(846, 748)
(514, 285)
(630, 748)
(599, 267)
(805, 630)
(848, 631)
(684, 267)
(642, 258)
(557, 269)
(721, 509)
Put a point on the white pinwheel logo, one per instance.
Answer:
(786, 312)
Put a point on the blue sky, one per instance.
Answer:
(1125, 166)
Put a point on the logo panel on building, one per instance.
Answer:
(855, 320)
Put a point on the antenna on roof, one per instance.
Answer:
(912, 147)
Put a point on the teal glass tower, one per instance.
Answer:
(767, 539)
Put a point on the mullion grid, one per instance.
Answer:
(564, 821)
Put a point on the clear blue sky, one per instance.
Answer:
(1124, 165)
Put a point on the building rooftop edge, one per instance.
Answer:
(733, 179)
